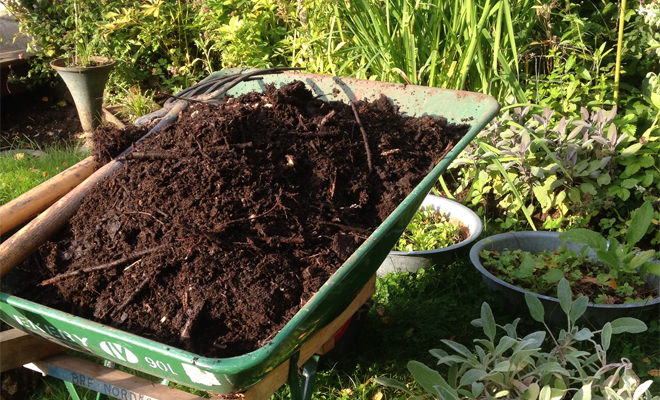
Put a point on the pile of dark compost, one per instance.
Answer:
(223, 225)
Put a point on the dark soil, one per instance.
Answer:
(38, 119)
(229, 221)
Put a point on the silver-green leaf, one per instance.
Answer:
(564, 294)
(606, 336)
(472, 376)
(640, 222)
(390, 382)
(488, 321)
(535, 307)
(578, 308)
(629, 325)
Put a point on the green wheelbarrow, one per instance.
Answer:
(342, 293)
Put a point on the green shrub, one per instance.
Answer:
(553, 172)
(532, 367)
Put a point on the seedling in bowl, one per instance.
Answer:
(429, 230)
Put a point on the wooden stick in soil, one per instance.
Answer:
(151, 155)
(132, 296)
(111, 264)
(364, 135)
(192, 316)
(449, 147)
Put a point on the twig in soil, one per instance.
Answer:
(347, 228)
(200, 149)
(192, 316)
(115, 263)
(334, 184)
(310, 135)
(145, 213)
(135, 263)
(326, 119)
(364, 135)
(150, 155)
(449, 147)
(301, 122)
(250, 218)
(240, 145)
(390, 152)
(132, 296)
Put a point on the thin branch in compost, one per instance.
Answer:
(144, 213)
(311, 135)
(240, 145)
(364, 135)
(115, 263)
(326, 119)
(390, 152)
(192, 316)
(347, 228)
(200, 149)
(150, 155)
(133, 295)
(224, 225)
(449, 147)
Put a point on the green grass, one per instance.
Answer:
(21, 171)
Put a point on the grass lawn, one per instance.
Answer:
(22, 170)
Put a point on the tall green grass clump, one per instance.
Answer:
(472, 45)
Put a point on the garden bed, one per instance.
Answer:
(227, 223)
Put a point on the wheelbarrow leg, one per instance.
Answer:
(302, 390)
(72, 390)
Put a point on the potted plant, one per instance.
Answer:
(621, 280)
(440, 231)
(573, 364)
(85, 75)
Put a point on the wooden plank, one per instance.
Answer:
(18, 348)
(265, 388)
(39, 198)
(111, 382)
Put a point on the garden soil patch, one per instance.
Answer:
(222, 226)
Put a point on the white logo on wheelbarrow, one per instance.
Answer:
(119, 351)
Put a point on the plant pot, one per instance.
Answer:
(402, 261)
(596, 315)
(86, 85)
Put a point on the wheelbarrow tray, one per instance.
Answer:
(236, 374)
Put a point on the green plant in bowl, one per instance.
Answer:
(625, 263)
(572, 364)
(607, 271)
(429, 230)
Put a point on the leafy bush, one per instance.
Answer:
(556, 173)
(516, 367)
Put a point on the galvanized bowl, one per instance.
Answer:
(535, 242)
(411, 261)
